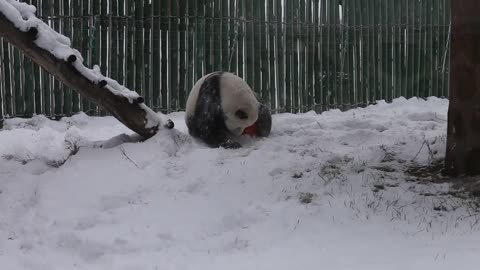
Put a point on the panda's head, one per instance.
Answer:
(238, 102)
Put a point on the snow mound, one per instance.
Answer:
(325, 191)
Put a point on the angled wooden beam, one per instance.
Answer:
(135, 115)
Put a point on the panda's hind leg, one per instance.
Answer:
(210, 133)
(230, 144)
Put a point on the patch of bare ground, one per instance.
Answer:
(463, 187)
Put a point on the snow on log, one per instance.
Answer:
(52, 51)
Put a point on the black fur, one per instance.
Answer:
(33, 31)
(102, 83)
(264, 122)
(71, 59)
(208, 121)
(169, 124)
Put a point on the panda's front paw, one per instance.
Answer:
(229, 144)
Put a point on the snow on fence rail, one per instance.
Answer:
(298, 54)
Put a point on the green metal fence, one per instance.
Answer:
(298, 54)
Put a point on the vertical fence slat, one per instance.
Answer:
(29, 101)
(241, 38)
(114, 19)
(8, 99)
(442, 36)
(122, 36)
(95, 45)
(401, 41)
(130, 65)
(147, 52)
(431, 47)
(234, 25)
(317, 41)
(19, 88)
(374, 87)
(208, 36)
(86, 32)
(182, 69)
(256, 37)
(446, 51)
(336, 52)
(308, 56)
(2, 84)
(390, 50)
(57, 86)
(200, 40)
(156, 45)
(323, 56)
(66, 27)
(353, 11)
(139, 48)
(249, 43)
(296, 39)
(418, 47)
(37, 88)
(216, 34)
(225, 46)
(76, 36)
(272, 36)
(438, 46)
(410, 52)
(326, 54)
(174, 56)
(288, 54)
(302, 60)
(280, 56)
(263, 56)
(424, 55)
(398, 49)
(191, 50)
(383, 54)
(103, 28)
(164, 26)
(342, 54)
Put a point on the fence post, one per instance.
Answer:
(463, 145)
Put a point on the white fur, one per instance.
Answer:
(235, 94)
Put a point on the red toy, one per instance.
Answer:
(251, 130)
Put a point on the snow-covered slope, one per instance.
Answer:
(323, 192)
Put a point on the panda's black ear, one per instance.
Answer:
(241, 114)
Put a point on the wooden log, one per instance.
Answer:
(135, 115)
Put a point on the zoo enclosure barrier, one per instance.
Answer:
(299, 55)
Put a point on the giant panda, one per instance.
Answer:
(221, 107)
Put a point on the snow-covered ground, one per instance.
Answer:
(323, 192)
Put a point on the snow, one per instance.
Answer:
(323, 191)
(23, 17)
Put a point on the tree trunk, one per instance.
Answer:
(134, 115)
(463, 142)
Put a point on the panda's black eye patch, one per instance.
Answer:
(241, 114)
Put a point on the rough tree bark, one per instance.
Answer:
(463, 142)
(131, 115)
